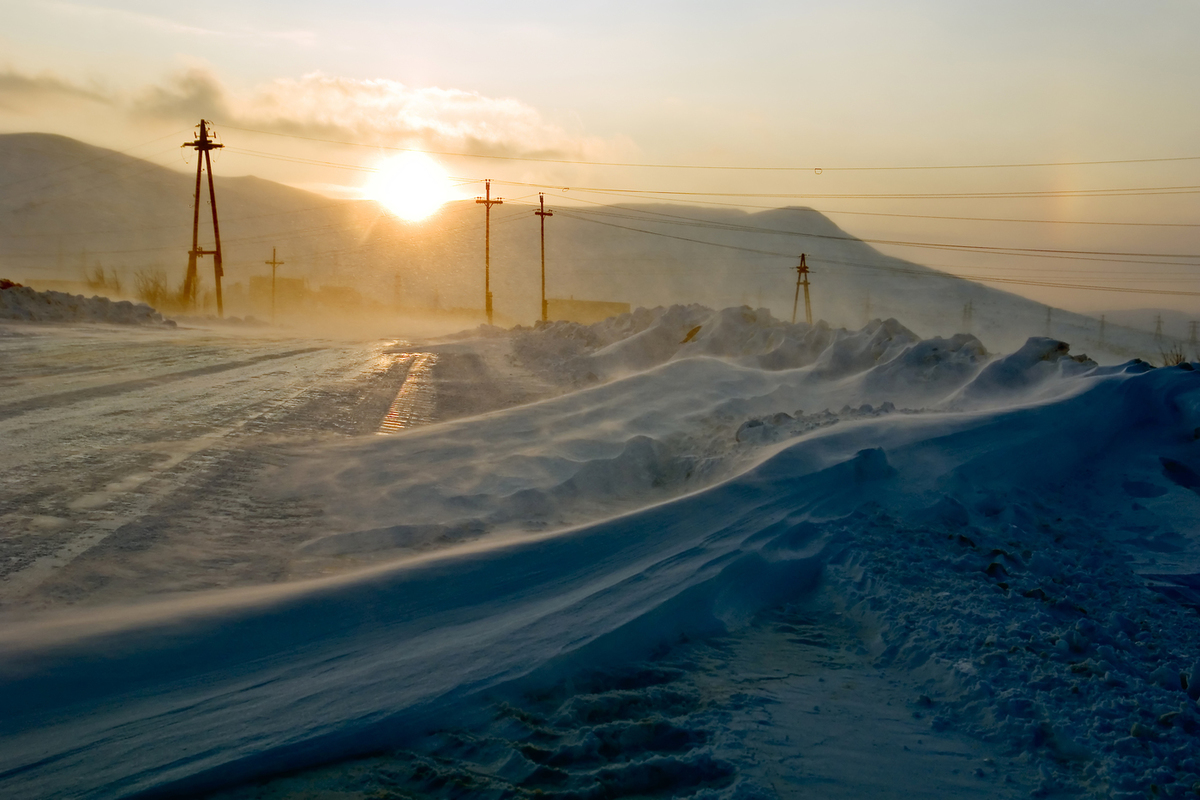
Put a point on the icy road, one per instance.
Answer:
(126, 453)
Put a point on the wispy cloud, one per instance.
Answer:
(161, 23)
(377, 112)
(26, 93)
(374, 111)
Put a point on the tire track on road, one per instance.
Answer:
(44, 402)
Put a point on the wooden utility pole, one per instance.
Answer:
(543, 213)
(274, 263)
(802, 280)
(488, 202)
(204, 146)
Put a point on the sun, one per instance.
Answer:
(412, 186)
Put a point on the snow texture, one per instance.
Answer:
(24, 304)
(1013, 538)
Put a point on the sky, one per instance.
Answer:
(805, 85)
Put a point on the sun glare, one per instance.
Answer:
(412, 186)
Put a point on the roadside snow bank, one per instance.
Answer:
(28, 305)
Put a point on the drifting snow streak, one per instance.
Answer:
(414, 402)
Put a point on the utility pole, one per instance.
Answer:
(274, 263)
(968, 314)
(1158, 327)
(1101, 329)
(204, 146)
(543, 213)
(488, 202)
(802, 280)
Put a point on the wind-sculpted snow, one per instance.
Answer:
(1031, 368)
(990, 550)
(980, 524)
(675, 426)
(28, 305)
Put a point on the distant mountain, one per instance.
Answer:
(66, 206)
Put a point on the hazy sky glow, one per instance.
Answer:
(805, 84)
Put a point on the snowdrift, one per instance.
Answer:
(645, 338)
(28, 305)
(988, 540)
(682, 415)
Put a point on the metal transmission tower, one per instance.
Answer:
(802, 280)
(1158, 327)
(488, 202)
(274, 263)
(968, 314)
(1101, 329)
(204, 146)
(543, 213)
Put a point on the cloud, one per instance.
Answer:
(190, 95)
(24, 93)
(377, 111)
(374, 111)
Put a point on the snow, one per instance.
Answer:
(707, 557)
(28, 305)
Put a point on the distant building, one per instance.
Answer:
(584, 312)
(290, 293)
(344, 298)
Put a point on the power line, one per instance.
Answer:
(251, 238)
(983, 249)
(1101, 192)
(886, 214)
(924, 273)
(816, 169)
(663, 195)
(1136, 191)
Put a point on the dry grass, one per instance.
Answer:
(1173, 356)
